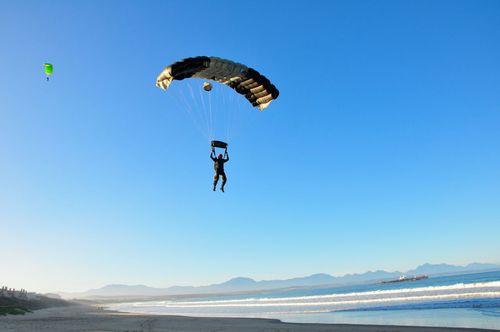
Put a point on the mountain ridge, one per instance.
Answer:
(245, 284)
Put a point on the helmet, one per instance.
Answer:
(219, 156)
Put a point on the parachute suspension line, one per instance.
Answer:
(238, 113)
(229, 112)
(216, 109)
(199, 110)
(227, 123)
(194, 116)
(232, 115)
(210, 110)
(196, 108)
(187, 108)
(183, 106)
(224, 103)
(204, 109)
(202, 116)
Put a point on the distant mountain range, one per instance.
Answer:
(241, 284)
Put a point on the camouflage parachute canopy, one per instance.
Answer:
(256, 88)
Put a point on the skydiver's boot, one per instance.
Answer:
(222, 188)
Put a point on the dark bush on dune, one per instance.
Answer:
(20, 306)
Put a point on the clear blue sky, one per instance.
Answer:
(382, 151)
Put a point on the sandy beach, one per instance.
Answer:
(85, 318)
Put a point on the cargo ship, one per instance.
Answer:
(403, 278)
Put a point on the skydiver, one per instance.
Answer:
(219, 167)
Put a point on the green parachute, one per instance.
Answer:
(49, 69)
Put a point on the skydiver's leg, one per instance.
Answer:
(216, 179)
(224, 179)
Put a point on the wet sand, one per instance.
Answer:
(91, 319)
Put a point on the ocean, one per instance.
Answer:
(467, 300)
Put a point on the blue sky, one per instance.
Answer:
(380, 153)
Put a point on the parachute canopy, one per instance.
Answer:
(256, 88)
(49, 69)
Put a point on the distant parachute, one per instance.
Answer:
(256, 88)
(49, 69)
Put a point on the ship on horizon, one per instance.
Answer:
(403, 278)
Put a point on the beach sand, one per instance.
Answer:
(90, 319)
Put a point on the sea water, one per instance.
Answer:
(468, 300)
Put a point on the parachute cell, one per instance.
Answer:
(256, 88)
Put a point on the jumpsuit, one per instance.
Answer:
(219, 169)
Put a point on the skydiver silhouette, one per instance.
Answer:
(219, 168)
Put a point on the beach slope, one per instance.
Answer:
(90, 319)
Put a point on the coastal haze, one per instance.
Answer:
(429, 295)
(466, 301)
(241, 284)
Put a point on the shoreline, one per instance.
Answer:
(91, 319)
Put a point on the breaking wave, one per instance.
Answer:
(460, 295)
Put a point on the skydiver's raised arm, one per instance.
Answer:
(226, 155)
(212, 155)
